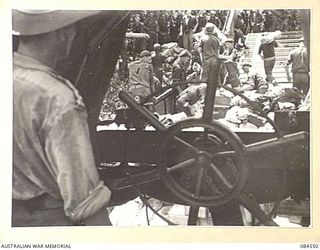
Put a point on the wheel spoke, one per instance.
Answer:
(221, 176)
(224, 153)
(211, 161)
(186, 144)
(181, 165)
(199, 182)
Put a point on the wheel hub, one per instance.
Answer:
(203, 159)
(196, 168)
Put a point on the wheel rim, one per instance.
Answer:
(214, 170)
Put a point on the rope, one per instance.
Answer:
(145, 201)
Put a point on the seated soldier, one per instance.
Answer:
(254, 81)
(141, 81)
(196, 72)
(190, 100)
(180, 66)
(179, 73)
(228, 47)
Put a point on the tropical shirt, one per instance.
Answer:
(52, 153)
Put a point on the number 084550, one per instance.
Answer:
(309, 246)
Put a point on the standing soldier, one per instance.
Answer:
(300, 68)
(214, 19)
(209, 50)
(163, 28)
(55, 179)
(189, 25)
(267, 53)
(138, 27)
(202, 21)
(257, 20)
(158, 61)
(151, 25)
(174, 26)
(238, 34)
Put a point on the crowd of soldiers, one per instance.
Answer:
(174, 50)
(175, 25)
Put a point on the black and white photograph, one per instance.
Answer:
(161, 122)
(196, 117)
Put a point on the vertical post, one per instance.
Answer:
(229, 25)
(193, 215)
